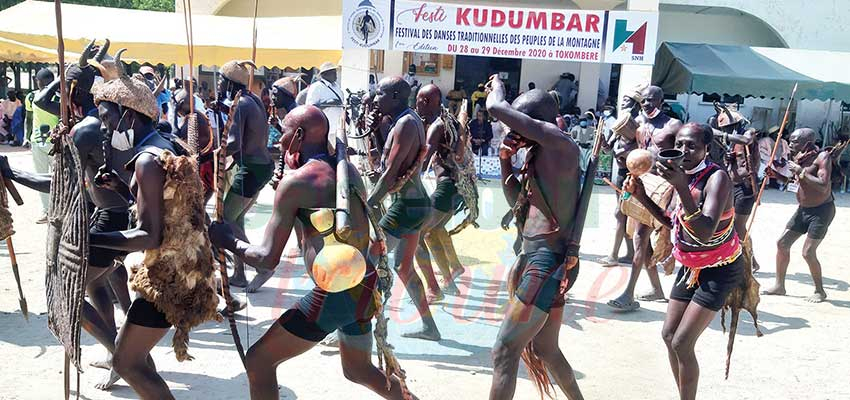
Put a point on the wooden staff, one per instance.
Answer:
(65, 117)
(772, 155)
(60, 49)
(253, 47)
(192, 119)
(6, 184)
(220, 156)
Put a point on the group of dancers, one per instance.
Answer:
(168, 179)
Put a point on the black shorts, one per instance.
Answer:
(813, 221)
(713, 285)
(445, 196)
(540, 282)
(145, 313)
(319, 313)
(106, 221)
(251, 178)
(745, 199)
(406, 216)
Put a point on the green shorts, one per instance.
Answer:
(250, 178)
(446, 197)
(406, 216)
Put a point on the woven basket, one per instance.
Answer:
(657, 189)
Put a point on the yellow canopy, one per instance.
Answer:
(28, 34)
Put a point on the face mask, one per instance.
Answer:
(583, 124)
(606, 113)
(292, 158)
(651, 115)
(701, 166)
(123, 141)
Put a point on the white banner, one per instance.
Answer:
(567, 35)
(491, 31)
(366, 24)
(631, 37)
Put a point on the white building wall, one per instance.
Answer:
(688, 27)
(802, 24)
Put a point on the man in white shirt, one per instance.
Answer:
(326, 94)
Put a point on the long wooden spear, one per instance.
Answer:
(64, 115)
(192, 119)
(220, 171)
(60, 49)
(770, 160)
(253, 46)
(7, 185)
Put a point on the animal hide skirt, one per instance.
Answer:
(179, 277)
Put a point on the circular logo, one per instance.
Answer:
(366, 25)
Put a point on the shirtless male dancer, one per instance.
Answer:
(546, 202)
(656, 131)
(445, 199)
(110, 214)
(812, 170)
(621, 146)
(308, 195)
(247, 144)
(145, 324)
(403, 221)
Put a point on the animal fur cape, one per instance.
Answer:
(178, 277)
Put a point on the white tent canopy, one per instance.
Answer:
(28, 29)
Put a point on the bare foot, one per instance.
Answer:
(450, 288)
(294, 252)
(108, 380)
(457, 272)
(424, 334)
(433, 297)
(102, 364)
(818, 297)
(331, 340)
(652, 296)
(259, 280)
(775, 291)
(238, 280)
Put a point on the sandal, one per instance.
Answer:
(616, 305)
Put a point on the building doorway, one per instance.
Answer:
(472, 70)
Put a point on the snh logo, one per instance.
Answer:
(626, 41)
(366, 25)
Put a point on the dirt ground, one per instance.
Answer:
(616, 356)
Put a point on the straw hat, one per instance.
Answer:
(773, 129)
(636, 94)
(326, 66)
(127, 92)
(289, 83)
(237, 71)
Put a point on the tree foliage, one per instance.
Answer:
(152, 5)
